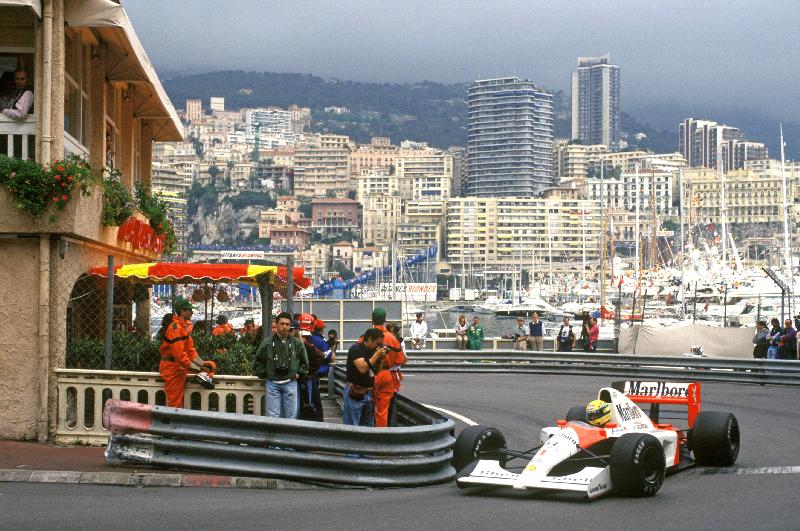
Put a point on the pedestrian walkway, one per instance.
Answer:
(34, 462)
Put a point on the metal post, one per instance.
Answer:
(758, 310)
(290, 283)
(109, 311)
(725, 307)
(213, 296)
(265, 291)
(694, 304)
(644, 305)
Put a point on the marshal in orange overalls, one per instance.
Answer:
(177, 352)
(387, 381)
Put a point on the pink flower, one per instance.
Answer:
(57, 177)
(71, 178)
(13, 174)
(64, 197)
(63, 185)
(55, 200)
(60, 168)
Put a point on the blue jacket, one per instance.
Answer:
(318, 341)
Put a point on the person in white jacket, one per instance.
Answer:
(21, 100)
(419, 330)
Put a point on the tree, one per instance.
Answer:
(213, 171)
(340, 268)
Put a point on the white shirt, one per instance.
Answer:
(19, 111)
(419, 330)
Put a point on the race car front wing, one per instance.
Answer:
(592, 481)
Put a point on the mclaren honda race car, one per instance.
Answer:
(629, 454)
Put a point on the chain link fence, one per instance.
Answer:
(227, 323)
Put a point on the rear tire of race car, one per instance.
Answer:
(477, 442)
(637, 465)
(715, 438)
(576, 413)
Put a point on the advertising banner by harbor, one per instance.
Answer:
(410, 291)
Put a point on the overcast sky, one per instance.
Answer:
(720, 53)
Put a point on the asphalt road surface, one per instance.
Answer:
(761, 492)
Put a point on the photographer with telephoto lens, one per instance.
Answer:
(363, 361)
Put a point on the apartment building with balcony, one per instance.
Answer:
(96, 95)
(510, 138)
(546, 234)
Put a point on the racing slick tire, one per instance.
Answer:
(576, 413)
(637, 465)
(714, 439)
(476, 442)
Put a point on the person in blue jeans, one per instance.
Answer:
(280, 359)
(363, 360)
(773, 338)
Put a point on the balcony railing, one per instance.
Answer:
(17, 138)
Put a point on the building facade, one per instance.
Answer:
(510, 138)
(596, 102)
(95, 95)
(545, 234)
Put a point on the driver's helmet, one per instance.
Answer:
(598, 412)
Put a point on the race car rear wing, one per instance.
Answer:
(668, 393)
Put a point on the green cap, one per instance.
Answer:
(181, 304)
(378, 314)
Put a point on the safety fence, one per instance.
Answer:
(82, 394)
(282, 448)
(734, 370)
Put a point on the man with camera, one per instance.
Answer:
(363, 361)
(280, 359)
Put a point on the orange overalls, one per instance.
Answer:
(222, 329)
(387, 381)
(177, 352)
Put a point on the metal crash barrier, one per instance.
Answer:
(418, 453)
(731, 370)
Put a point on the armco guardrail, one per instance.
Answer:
(282, 448)
(734, 370)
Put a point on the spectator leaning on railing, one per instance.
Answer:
(21, 101)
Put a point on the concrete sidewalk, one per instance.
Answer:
(46, 463)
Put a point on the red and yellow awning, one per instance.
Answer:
(184, 273)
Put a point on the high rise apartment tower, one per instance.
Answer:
(510, 138)
(595, 102)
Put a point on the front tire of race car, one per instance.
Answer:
(715, 438)
(637, 465)
(477, 442)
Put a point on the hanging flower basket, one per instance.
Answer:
(222, 295)
(201, 295)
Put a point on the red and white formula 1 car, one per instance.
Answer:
(631, 454)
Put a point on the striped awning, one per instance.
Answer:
(184, 273)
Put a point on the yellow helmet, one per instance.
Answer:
(598, 412)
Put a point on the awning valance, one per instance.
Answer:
(35, 5)
(134, 66)
(184, 273)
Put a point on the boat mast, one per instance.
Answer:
(787, 257)
(683, 243)
(604, 214)
(723, 209)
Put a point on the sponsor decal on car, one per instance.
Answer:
(598, 488)
(627, 412)
(656, 389)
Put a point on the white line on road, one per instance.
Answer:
(465, 420)
(759, 470)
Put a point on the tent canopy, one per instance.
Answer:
(178, 272)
